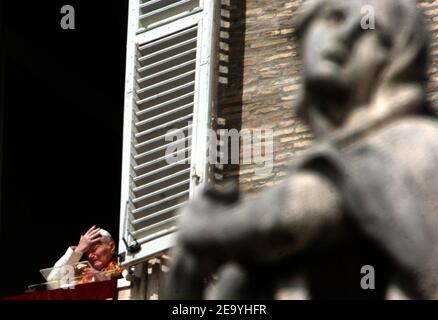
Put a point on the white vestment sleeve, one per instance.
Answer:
(70, 257)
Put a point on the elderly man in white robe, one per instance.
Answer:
(99, 248)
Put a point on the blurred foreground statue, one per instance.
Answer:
(366, 193)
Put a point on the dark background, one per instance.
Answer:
(62, 115)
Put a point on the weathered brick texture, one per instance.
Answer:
(259, 60)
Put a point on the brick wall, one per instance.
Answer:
(260, 79)
(430, 9)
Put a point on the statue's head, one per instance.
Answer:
(357, 54)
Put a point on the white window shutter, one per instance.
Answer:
(170, 84)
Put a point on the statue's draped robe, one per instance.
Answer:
(389, 184)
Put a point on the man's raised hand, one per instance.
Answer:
(91, 237)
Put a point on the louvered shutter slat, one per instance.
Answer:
(150, 141)
(172, 58)
(158, 234)
(167, 81)
(176, 185)
(155, 225)
(168, 49)
(188, 33)
(163, 94)
(148, 3)
(157, 214)
(155, 161)
(166, 103)
(161, 73)
(170, 166)
(163, 9)
(158, 12)
(160, 148)
(154, 204)
(165, 114)
(153, 183)
(163, 126)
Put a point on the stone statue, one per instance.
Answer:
(366, 193)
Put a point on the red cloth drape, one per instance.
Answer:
(89, 291)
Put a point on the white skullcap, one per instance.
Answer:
(105, 234)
